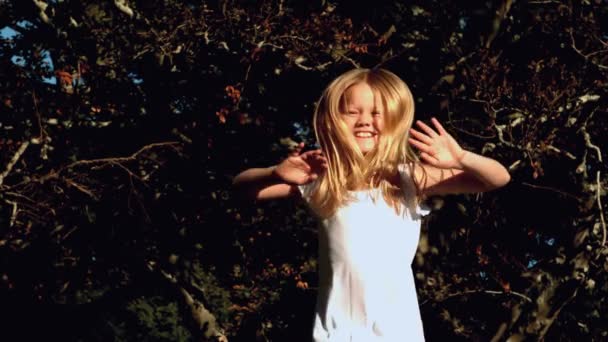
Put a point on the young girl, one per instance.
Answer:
(366, 184)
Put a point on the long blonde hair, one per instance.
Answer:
(348, 168)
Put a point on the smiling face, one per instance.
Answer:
(363, 113)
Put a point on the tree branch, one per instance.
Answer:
(599, 206)
(204, 320)
(14, 160)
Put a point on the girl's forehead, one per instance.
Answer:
(362, 92)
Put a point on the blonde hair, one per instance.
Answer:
(348, 168)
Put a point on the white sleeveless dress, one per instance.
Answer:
(366, 285)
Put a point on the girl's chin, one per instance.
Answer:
(364, 148)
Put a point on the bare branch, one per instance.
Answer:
(14, 160)
(586, 56)
(132, 157)
(500, 129)
(551, 189)
(566, 153)
(589, 144)
(599, 206)
(299, 64)
(501, 14)
(123, 7)
(81, 188)
(464, 293)
(204, 320)
(13, 213)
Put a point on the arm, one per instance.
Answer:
(448, 169)
(262, 184)
(281, 180)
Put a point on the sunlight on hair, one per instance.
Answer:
(348, 168)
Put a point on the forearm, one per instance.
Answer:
(252, 176)
(259, 183)
(488, 171)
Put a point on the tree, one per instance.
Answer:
(124, 121)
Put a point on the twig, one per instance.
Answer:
(586, 56)
(296, 38)
(499, 129)
(319, 67)
(551, 189)
(589, 144)
(599, 205)
(42, 132)
(555, 149)
(82, 188)
(355, 64)
(117, 159)
(501, 14)
(13, 213)
(14, 160)
(458, 294)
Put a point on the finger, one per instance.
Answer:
(420, 145)
(439, 127)
(312, 153)
(428, 158)
(308, 156)
(428, 130)
(321, 157)
(421, 136)
(301, 164)
(319, 163)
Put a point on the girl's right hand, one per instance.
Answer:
(302, 168)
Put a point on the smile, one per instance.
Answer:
(364, 135)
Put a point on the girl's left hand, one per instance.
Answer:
(438, 149)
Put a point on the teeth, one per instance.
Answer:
(363, 135)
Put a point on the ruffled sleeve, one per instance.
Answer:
(415, 210)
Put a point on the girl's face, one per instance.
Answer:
(363, 115)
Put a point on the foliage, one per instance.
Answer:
(123, 123)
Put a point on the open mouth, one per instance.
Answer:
(364, 135)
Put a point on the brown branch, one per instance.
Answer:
(81, 188)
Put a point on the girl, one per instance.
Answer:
(366, 184)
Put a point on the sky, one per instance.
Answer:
(9, 33)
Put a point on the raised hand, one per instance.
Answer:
(437, 148)
(301, 168)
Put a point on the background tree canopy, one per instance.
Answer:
(123, 122)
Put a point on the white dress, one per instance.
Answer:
(366, 284)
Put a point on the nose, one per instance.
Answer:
(364, 119)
